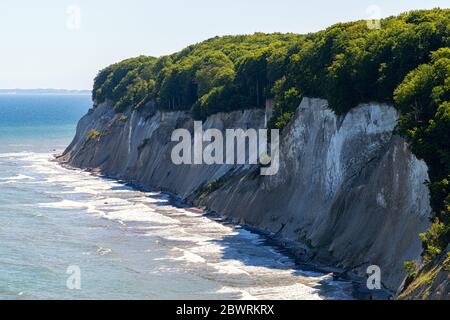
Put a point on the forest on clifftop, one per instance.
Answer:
(404, 62)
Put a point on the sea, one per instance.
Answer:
(69, 234)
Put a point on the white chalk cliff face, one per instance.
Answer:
(348, 193)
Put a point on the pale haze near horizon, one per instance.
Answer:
(63, 44)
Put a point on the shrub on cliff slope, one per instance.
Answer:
(92, 135)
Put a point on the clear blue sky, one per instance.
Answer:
(45, 45)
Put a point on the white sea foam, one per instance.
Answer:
(297, 291)
(63, 204)
(241, 293)
(102, 251)
(234, 257)
(38, 168)
(69, 204)
(138, 215)
(16, 154)
(230, 267)
(18, 177)
(189, 256)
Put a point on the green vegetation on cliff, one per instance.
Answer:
(430, 282)
(220, 74)
(346, 64)
(405, 62)
(424, 101)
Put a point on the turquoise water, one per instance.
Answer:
(127, 244)
(39, 122)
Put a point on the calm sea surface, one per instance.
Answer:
(126, 244)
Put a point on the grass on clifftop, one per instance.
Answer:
(421, 284)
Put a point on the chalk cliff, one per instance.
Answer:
(348, 193)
